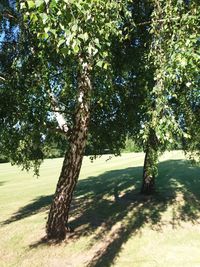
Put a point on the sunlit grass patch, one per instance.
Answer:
(113, 224)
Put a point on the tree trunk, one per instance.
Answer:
(150, 165)
(58, 215)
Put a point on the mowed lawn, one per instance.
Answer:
(113, 224)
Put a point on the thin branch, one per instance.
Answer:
(158, 20)
(59, 116)
(8, 15)
(56, 110)
(2, 78)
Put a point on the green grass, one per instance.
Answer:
(127, 230)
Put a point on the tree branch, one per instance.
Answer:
(2, 78)
(58, 115)
(158, 20)
(8, 15)
(54, 129)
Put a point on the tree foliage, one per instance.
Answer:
(51, 38)
(123, 68)
(174, 57)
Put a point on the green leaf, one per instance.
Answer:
(75, 46)
(38, 3)
(100, 63)
(78, 5)
(46, 29)
(22, 5)
(44, 35)
(76, 49)
(60, 42)
(65, 51)
(105, 65)
(74, 28)
(33, 17)
(84, 36)
(44, 17)
(105, 54)
(31, 4)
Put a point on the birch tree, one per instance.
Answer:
(174, 57)
(63, 46)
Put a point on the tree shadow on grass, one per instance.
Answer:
(87, 189)
(38, 204)
(109, 208)
(180, 180)
(112, 218)
(2, 183)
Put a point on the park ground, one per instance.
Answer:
(113, 224)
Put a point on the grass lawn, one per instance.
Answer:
(113, 224)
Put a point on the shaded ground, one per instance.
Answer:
(37, 205)
(2, 183)
(109, 208)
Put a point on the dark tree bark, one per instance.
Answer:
(59, 211)
(150, 165)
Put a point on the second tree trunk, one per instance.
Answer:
(150, 165)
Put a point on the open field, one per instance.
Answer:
(113, 225)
